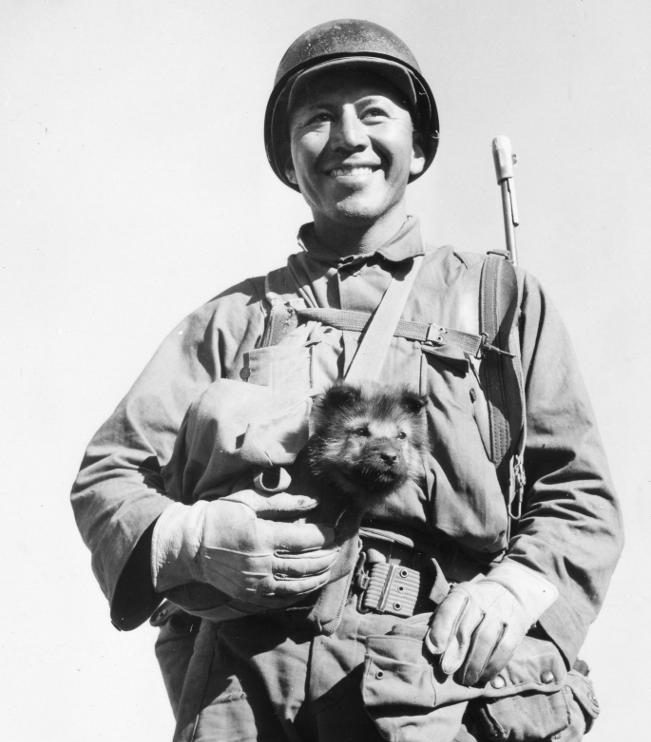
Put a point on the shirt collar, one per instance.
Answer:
(406, 243)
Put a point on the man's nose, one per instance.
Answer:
(349, 133)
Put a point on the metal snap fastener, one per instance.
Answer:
(379, 674)
(403, 573)
(548, 677)
(397, 606)
(498, 682)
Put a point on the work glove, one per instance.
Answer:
(480, 623)
(245, 546)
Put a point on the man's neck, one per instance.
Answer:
(358, 239)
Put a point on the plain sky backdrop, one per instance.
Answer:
(134, 186)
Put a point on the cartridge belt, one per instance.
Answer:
(395, 578)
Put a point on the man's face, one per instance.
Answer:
(352, 147)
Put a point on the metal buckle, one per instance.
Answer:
(518, 482)
(390, 588)
(436, 334)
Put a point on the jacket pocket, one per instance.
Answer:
(408, 699)
(399, 693)
(397, 674)
(306, 361)
(469, 504)
(276, 366)
(530, 699)
(529, 717)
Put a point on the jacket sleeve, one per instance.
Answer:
(570, 529)
(118, 493)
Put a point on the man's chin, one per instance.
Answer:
(357, 213)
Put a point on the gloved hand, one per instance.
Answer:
(480, 623)
(244, 546)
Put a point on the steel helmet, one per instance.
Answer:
(348, 42)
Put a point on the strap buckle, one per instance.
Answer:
(518, 481)
(435, 334)
(486, 345)
(389, 588)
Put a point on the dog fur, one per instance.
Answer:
(368, 441)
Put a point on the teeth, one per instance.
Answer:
(351, 170)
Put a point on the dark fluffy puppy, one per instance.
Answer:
(368, 441)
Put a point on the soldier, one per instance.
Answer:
(351, 121)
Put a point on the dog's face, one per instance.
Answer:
(369, 442)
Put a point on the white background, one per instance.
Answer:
(134, 186)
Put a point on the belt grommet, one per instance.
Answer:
(498, 682)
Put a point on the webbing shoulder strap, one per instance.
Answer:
(286, 290)
(501, 374)
(376, 338)
(429, 333)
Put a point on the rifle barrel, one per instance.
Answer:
(504, 161)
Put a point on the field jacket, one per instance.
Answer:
(570, 528)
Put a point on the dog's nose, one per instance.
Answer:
(388, 458)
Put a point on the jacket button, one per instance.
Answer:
(498, 682)
(548, 677)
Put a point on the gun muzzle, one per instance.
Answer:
(504, 160)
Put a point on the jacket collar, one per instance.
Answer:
(406, 243)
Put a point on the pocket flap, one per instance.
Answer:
(397, 674)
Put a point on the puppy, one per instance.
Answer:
(367, 442)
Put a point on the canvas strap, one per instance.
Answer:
(502, 377)
(376, 335)
(429, 333)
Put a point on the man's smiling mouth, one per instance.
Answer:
(352, 170)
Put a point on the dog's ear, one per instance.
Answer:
(411, 402)
(341, 397)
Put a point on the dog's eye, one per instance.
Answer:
(401, 435)
(362, 430)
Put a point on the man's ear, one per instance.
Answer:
(290, 173)
(417, 156)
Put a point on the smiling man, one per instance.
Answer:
(461, 609)
(353, 150)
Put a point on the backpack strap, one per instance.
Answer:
(429, 333)
(282, 317)
(502, 376)
(286, 291)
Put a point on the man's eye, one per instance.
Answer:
(319, 118)
(374, 113)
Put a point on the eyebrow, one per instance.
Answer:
(325, 101)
